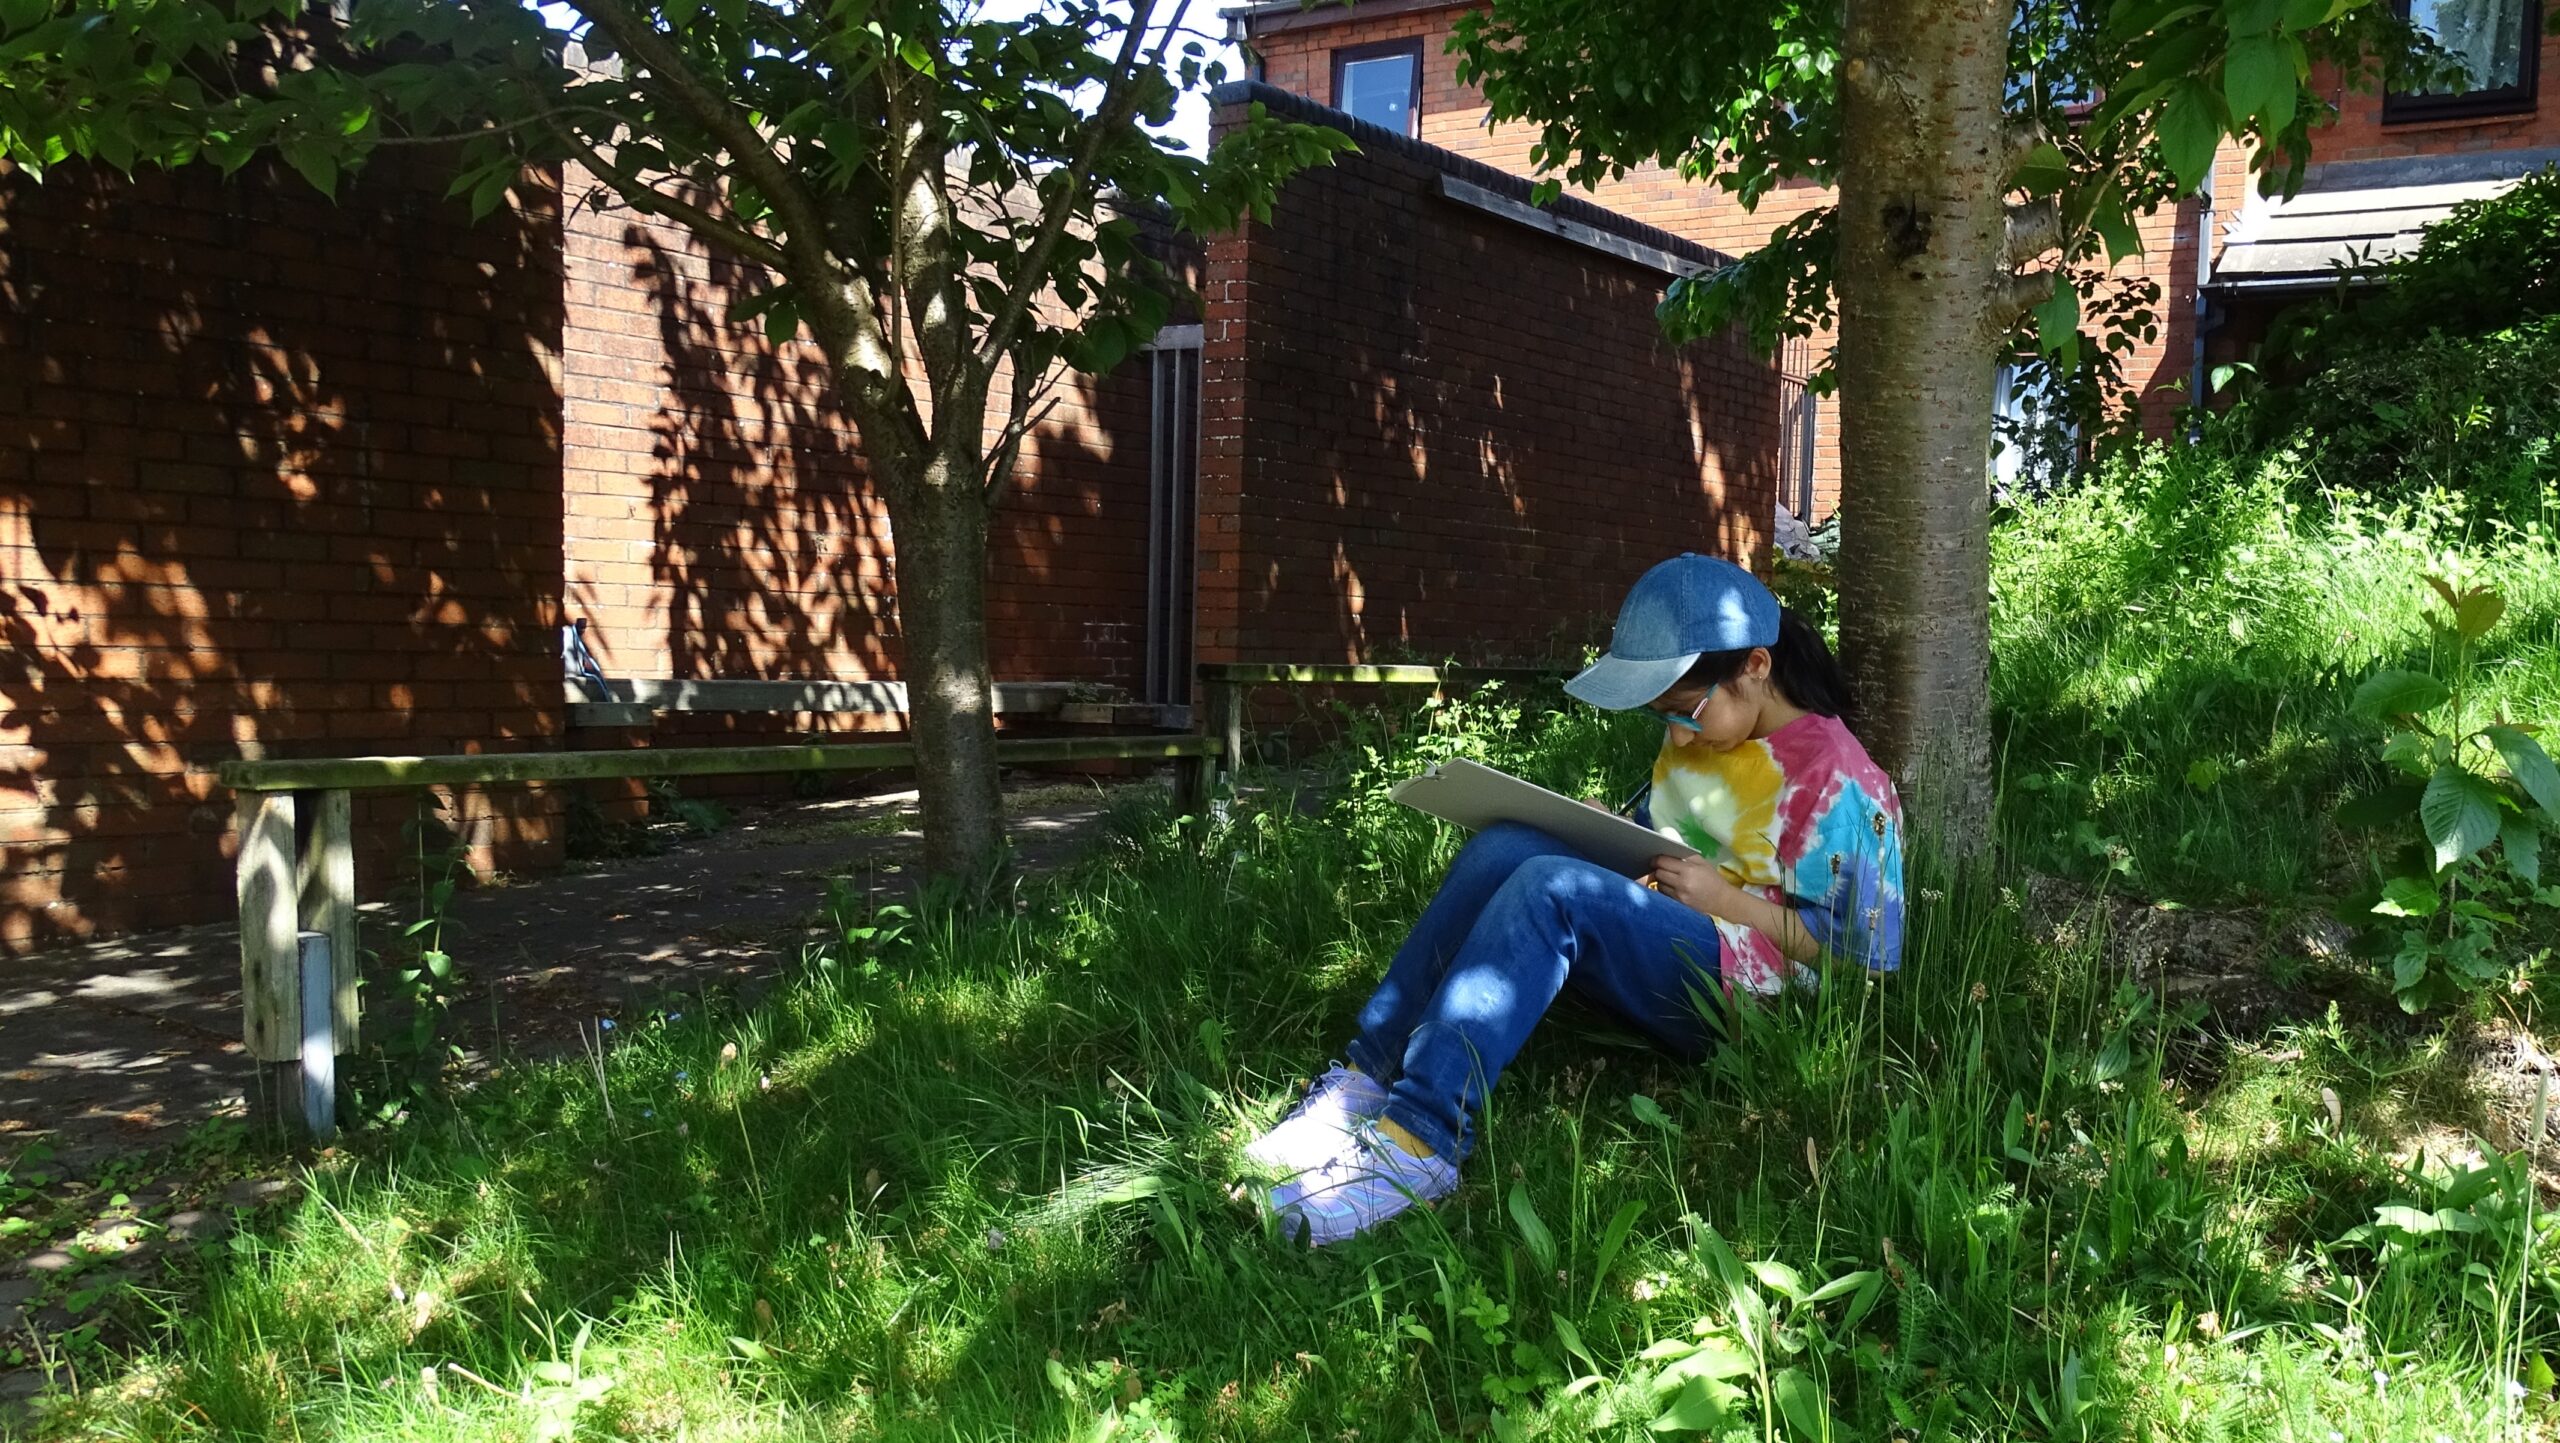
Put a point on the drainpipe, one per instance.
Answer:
(2204, 321)
(1240, 35)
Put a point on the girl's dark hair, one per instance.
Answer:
(1800, 664)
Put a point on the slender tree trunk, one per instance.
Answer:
(939, 528)
(1921, 286)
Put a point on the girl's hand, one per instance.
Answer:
(1702, 886)
(1696, 883)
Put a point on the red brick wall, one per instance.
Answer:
(721, 525)
(1433, 431)
(278, 477)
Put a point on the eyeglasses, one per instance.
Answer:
(1691, 720)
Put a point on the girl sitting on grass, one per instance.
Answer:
(1800, 862)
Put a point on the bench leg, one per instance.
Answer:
(325, 876)
(270, 946)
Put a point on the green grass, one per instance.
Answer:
(966, 1178)
(2173, 651)
(967, 1175)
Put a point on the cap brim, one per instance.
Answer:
(1614, 683)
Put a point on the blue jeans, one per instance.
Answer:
(1519, 918)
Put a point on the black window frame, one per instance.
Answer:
(1410, 48)
(2521, 98)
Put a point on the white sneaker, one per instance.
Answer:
(1322, 1126)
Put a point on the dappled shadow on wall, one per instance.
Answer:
(1475, 442)
(277, 477)
(769, 553)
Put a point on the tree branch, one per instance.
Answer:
(2019, 293)
(2033, 230)
(1118, 99)
(842, 309)
(2022, 134)
(649, 200)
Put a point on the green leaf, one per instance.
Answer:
(1780, 1279)
(2253, 17)
(2042, 171)
(1569, 1338)
(491, 192)
(2115, 225)
(1650, 1113)
(1863, 1302)
(2460, 813)
(2522, 842)
(315, 163)
(1801, 1403)
(2398, 693)
(2409, 897)
(1533, 1230)
(2530, 765)
(1613, 1238)
(1842, 1286)
(2058, 320)
(1714, 1357)
(1702, 1406)
(917, 58)
(2259, 79)
(781, 321)
(2191, 127)
(2477, 612)
(2304, 14)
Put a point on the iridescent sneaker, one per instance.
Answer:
(1365, 1186)
(1321, 1127)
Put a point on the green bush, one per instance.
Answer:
(2444, 374)
(2474, 414)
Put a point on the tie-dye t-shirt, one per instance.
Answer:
(1801, 817)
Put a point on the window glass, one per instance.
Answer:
(2486, 36)
(1379, 89)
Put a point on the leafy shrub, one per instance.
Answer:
(2468, 789)
(2488, 265)
(2444, 374)
(2476, 414)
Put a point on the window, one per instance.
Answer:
(1381, 84)
(2494, 43)
(2035, 443)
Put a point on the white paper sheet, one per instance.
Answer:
(1475, 796)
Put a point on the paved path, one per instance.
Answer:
(124, 1044)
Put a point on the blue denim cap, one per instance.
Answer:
(1677, 612)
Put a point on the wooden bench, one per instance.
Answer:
(636, 701)
(300, 954)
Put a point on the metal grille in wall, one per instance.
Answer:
(1799, 422)
(1173, 474)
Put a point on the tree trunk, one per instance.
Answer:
(1920, 276)
(939, 529)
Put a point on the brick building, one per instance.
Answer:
(2223, 260)
(281, 477)
(1443, 423)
